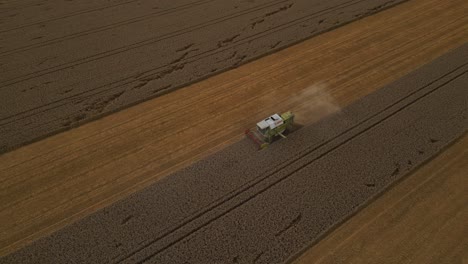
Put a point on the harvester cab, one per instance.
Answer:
(267, 129)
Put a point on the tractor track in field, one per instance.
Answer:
(65, 16)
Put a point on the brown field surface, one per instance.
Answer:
(54, 182)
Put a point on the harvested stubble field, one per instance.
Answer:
(75, 173)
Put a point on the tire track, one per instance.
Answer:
(106, 27)
(66, 16)
(139, 44)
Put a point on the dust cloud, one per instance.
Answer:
(313, 103)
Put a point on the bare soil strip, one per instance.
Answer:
(63, 64)
(243, 205)
(75, 173)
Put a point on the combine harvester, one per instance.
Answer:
(271, 127)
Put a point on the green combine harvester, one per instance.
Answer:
(270, 128)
